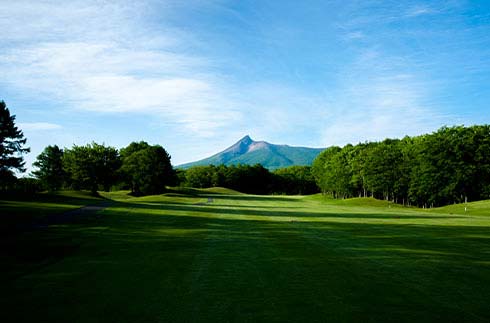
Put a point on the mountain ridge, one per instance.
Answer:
(250, 152)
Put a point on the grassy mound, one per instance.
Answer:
(221, 190)
(472, 208)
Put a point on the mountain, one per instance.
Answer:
(249, 152)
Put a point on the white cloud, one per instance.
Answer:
(38, 126)
(105, 57)
(355, 35)
(30, 21)
(94, 56)
(381, 96)
(419, 10)
(381, 107)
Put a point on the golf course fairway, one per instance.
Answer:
(219, 256)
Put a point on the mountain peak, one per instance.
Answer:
(240, 147)
(249, 152)
(246, 140)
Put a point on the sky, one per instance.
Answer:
(195, 76)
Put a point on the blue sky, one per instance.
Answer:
(195, 75)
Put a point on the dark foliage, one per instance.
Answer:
(91, 167)
(451, 165)
(251, 179)
(294, 180)
(146, 169)
(50, 170)
(12, 143)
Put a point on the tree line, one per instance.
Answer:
(146, 170)
(142, 168)
(451, 165)
(12, 147)
(251, 179)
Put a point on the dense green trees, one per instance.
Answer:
(322, 169)
(448, 166)
(50, 170)
(201, 176)
(92, 166)
(451, 165)
(244, 178)
(294, 180)
(12, 143)
(147, 169)
(140, 167)
(253, 179)
(382, 168)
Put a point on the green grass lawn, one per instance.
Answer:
(21, 210)
(216, 255)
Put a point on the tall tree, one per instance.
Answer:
(407, 163)
(294, 180)
(202, 176)
(50, 168)
(322, 176)
(12, 143)
(338, 174)
(133, 147)
(92, 166)
(147, 168)
(357, 160)
(383, 168)
(481, 179)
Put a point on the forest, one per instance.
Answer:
(451, 165)
(252, 179)
(144, 169)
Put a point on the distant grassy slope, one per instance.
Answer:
(212, 257)
(249, 152)
(472, 208)
(220, 190)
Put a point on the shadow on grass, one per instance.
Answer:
(257, 211)
(251, 198)
(363, 241)
(43, 209)
(172, 254)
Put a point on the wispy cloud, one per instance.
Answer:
(39, 126)
(379, 99)
(114, 71)
(419, 10)
(330, 72)
(355, 35)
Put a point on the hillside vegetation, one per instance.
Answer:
(249, 152)
(451, 165)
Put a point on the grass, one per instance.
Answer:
(22, 211)
(202, 255)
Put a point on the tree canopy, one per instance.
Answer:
(50, 170)
(92, 166)
(252, 179)
(294, 180)
(147, 169)
(12, 143)
(450, 165)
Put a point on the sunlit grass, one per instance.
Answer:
(201, 255)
